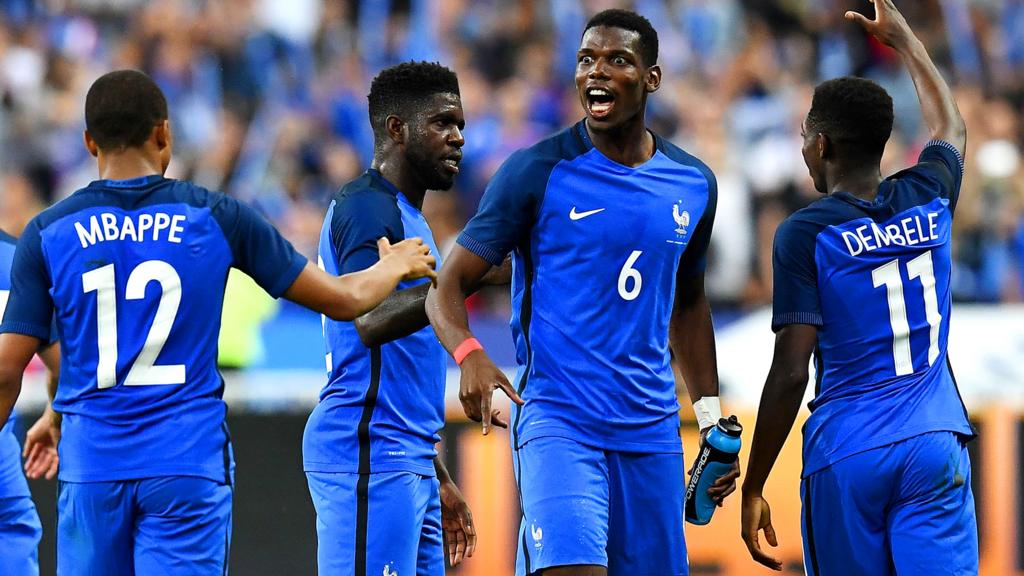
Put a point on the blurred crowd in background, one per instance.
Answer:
(268, 103)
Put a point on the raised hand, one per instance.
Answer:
(412, 255)
(457, 524)
(40, 451)
(480, 377)
(889, 26)
(756, 516)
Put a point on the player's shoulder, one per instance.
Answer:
(806, 223)
(684, 158)
(369, 194)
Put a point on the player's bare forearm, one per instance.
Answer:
(692, 338)
(446, 303)
(404, 312)
(441, 470)
(16, 350)
(51, 359)
(399, 315)
(938, 107)
(780, 401)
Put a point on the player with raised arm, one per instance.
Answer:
(862, 282)
(20, 529)
(134, 267)
(608, 225)
(382, 495)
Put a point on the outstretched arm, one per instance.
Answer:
(937, 104)
(446, 308)
(352, 295)
(403, 312)
(780, 402)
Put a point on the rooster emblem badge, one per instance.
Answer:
(682, 219)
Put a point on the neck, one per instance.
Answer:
(127, 164)
(401, 176)
(860, 180)
(630, 144)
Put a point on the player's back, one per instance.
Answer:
(136, 271)
(881, 270)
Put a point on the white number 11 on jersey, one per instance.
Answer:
(143, 372)
(888, 275)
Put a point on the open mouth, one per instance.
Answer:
(451, 164)
(599, 102)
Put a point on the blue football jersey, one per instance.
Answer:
(597, 249)
(135, 272)
(383, 406)
(12, 480)
(874, 278)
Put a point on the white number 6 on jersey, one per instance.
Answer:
(629, 273)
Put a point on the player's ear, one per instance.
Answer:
(396, 128)
(653, 78)
(162, 134)
(824, 146)
(90, 144)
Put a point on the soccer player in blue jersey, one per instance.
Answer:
(383, 497)
(608, 225)
(20, 529)
(862, 282)
(134, 267)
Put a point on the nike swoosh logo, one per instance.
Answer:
(574, 215)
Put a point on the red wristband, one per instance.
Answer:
(462, 350)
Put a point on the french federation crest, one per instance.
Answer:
(682, 219)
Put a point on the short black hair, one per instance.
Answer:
(854, 112)
(121, 109)
(629, 20)
(398, 89)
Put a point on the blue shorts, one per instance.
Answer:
(382, 523)
(584, 505)
(19, 536)
(905, 508)
(166, 525)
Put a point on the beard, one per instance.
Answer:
(429, 171)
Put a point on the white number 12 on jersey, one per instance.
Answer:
(143, 372)
(888, 275)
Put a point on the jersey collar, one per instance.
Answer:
(139, 182)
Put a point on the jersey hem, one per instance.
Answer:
(674, 446)
(334, 468)
(26, 329)
(480, 249)
(216, 475)
(820, 464)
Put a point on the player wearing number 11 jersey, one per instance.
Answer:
(134, 268)
(862, 281)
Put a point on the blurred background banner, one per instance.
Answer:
(268, 104)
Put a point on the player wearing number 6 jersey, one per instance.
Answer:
(608, 225)
(134, 267)
(862, 281)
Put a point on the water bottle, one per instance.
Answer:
(718, 451)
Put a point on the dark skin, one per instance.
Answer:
(411, 155)
(609, 59)
(833, 169)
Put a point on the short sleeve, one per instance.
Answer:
(942, 164)
(694, 259)
(258, 248)
(30, 305)
(359, 220)
(795, 279)
(508, 208)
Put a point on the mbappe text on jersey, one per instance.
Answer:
(139, 228)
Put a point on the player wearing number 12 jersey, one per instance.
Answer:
(134, 268)
(608, 225)
(862, 281)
